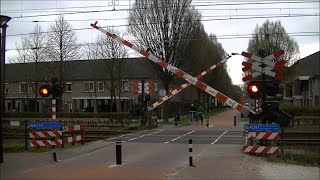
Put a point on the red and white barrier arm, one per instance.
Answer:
(223, 98)
(185, 85)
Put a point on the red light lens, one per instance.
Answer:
(44, 91)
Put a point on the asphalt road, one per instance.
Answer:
(182, 136)
(151, 154)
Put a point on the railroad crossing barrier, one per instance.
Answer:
(254, 131)
(69, 134)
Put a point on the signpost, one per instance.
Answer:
(261, 127)
(44, 125)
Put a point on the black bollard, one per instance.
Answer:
(190, 153)
(207, 122)
(54, 152)
(118, 152)
(234, 120)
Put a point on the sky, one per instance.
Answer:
(231, 21)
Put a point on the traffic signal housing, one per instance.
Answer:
(45, 91)
(54, 90)
(254, 89)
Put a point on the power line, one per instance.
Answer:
(202, 5)
(238, 36)
(212, 19)
(112, 19)
(209, 2)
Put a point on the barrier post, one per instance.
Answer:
(208, 122)
(118, 152)
(53, 119)
(82, 135)
(190, 153)
(234, 120)
(26, 134)
(54, 153)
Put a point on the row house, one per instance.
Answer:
(86, 85)
(303, 85)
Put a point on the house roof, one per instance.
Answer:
(134, 68)
(308, 66)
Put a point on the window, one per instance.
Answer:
(68, 86)
(23, 87)
(6, 85)
(125, 85)
(156, 86)
(100, 86)
(89, 86)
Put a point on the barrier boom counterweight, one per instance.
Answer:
(204, 87)
(185, 85)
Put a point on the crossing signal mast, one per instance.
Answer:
(259, 89)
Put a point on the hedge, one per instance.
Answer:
(115, 115)
(294, 110)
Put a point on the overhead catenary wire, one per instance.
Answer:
(202, 20)
(194, 3)
(114, 19)
(239, 36)
(202, 5)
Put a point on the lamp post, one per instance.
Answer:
(3, 24)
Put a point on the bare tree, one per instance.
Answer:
(163, 26)
(272, 37)
(62, 46)
(112, 66)
(31, 50)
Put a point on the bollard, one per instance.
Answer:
(118, 152)
(234, 120)
(54, 153)
(207, 122)
(190, 152)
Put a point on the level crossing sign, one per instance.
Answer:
(263, 66)
(261, 127)
(44, 125)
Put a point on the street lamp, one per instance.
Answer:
(3, 24)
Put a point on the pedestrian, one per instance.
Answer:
(193, 112)
(200, 112)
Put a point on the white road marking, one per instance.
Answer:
(145, 135)
(179, 137)
(219, 137)
(125, 135)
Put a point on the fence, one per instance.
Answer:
(266, 140)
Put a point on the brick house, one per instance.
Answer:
(85, 85)
(303, 85)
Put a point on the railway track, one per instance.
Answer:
(94, 134)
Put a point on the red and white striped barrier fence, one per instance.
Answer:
(263, 135)
(47, 143)
(193, 80)
(71, 128)
(73, 139)
(261, 149)
(45, 134)
(185, 85)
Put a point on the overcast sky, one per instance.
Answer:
(231, 21)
